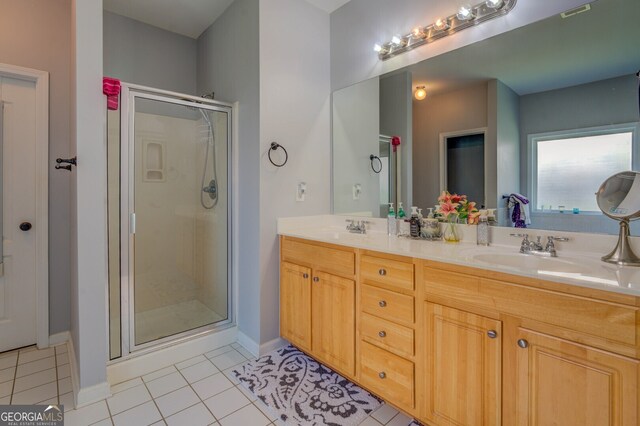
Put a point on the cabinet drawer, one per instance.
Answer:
(322, 258)
(387, 375)
(387, 335)
(387, 304)
(390, 273)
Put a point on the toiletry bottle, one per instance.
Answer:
(482, 230)
(414, 223)
(392, 222)
(491, 217)
(401, 213)
(431, 225)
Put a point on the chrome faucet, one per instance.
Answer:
(535, 247)
(359, 227)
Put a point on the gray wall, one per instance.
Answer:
(29, 39)
(359, 24)
(396, 109)
(139, 53)
(462, 109)
(294, 110)
(504, 118)
(356, 124)
(228, 63)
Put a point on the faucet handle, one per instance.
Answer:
(520, 235)
(561, 239)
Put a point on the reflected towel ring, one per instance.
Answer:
(275, 146)
(375, 157)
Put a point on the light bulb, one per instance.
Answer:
(494, 4)
(465, 13)
(396, 40)
(418, 32)
(420, 93)
(441, 24)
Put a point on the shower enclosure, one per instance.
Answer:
(169, 221)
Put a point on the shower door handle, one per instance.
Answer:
(132, 223)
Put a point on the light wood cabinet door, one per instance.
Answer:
(464, 362)
(295, 304)
(333, 327)
(564, 383)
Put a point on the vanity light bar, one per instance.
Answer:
(466, 16)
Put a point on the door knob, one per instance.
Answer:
(492, 334)
(316, 279)
(382, 303)
(305, 275)
(25, 226)
(382, 375)
(382, 272)
(523, 343)
(382, 334)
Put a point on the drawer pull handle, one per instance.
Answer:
(305, 276)
(382, 303)
(316, 279)
(523, 343)
(382, 272)
(382, 334)
(382, 375)
(492, 334)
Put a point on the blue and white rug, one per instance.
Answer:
(301, 391)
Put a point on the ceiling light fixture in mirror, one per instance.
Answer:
(465, 17)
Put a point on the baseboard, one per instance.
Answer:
(59, 338)
(88, 395)
(272, 345)
(139, 365)
(249, 344)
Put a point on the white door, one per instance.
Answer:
(18, 324)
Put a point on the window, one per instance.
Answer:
(569, 167)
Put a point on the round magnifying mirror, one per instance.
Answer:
(619, 198)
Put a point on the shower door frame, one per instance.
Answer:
(129, 94)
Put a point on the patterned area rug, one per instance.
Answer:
(302, 391)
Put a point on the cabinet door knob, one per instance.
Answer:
(382, 375)
(25, 226)
(305, 276)
(382, 303)
(492, 334)
(523, 343)
(316, 279)
(382, 272)
(382, 334)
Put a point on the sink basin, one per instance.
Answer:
(530, 262)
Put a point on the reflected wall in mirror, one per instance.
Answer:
(549, 111)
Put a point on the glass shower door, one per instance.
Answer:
(178, 162)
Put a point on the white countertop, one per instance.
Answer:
(573, 266)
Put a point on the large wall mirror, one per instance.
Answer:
(549, 111)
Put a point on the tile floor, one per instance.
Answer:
(197, 391)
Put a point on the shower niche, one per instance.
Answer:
(153, 160)
(169, 247)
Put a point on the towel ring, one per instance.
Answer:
(274, 147)
(375, 157)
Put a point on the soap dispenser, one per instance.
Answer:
(392, 222)
(414, 223)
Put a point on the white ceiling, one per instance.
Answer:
(187, 17)
(328, 5)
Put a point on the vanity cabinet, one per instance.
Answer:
(463, 366)
(456, 345)
(317, 301)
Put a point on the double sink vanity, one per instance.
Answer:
(456, 334)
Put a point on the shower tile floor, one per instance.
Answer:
(197, 391)
(173, 319)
